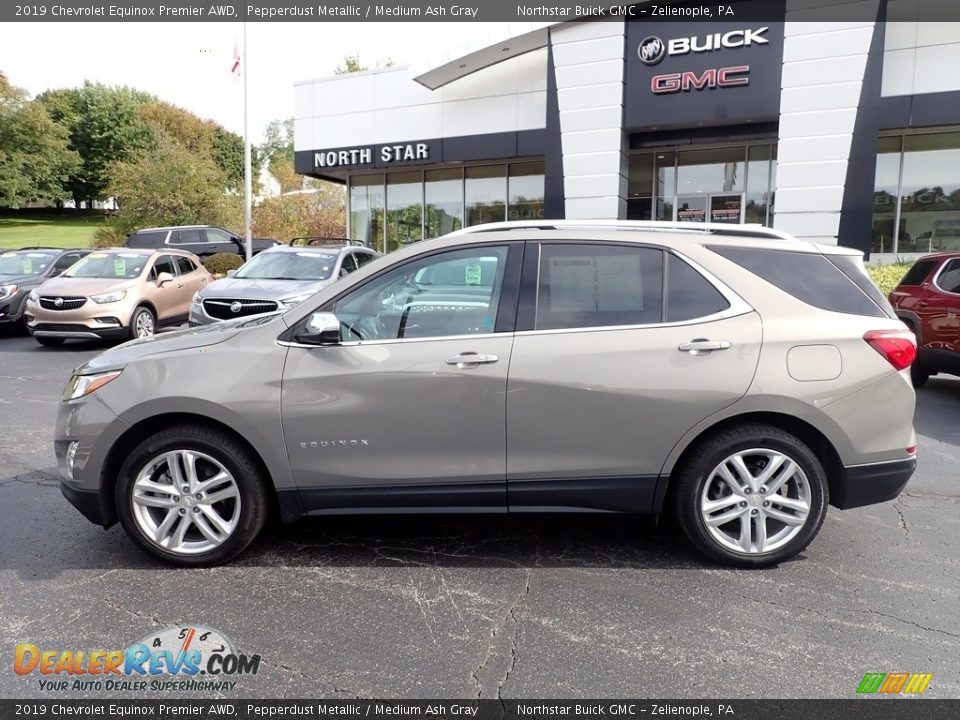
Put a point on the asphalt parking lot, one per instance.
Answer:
(520, 606)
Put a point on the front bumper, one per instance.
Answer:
(89, 503)
(874, 483)
(68, 331)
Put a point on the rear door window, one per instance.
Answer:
(809, 277)
(598, 285)
(185, 264)
(190, 236)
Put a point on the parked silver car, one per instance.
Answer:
(730, 374)
(276, 279)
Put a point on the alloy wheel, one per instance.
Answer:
(186, 502)
(143, 326)
(755, 501)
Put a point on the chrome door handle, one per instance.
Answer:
(702, 346)
(471, 360)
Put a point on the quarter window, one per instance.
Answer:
(598, 285)
(689, 295)
(809, 277)
(452, 293)
(949, 278)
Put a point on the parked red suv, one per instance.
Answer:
(928, 301)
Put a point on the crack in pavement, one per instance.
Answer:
(898, 507)
(868, 611)
(510, 615)
(299, 673)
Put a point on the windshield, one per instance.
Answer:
(120, 266)
(25, 263)
(288, 266)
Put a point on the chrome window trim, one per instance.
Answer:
(399, 341)
(936, 278)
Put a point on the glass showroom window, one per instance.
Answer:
(887, 182)
(443, 195)
(366, 210)
(923, 171)
(486, 194)
(404, 209)
(761, 181)
(526, 191)
(720, 185)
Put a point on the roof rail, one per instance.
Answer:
(748, 229)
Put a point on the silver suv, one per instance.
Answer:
(732, 375)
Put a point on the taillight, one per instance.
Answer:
(899, 347)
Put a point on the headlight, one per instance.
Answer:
(82, 385)
(109, 297)
(295, 300)
(196, 298)
(34, 296)
(7, 291)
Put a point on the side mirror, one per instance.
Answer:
(322, 328)
(163, 278)
(231, 273)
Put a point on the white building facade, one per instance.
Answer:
(845, 131)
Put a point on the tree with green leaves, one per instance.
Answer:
(168, 184)
(104, 127)
(35, 155)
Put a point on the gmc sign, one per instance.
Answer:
(709, 79)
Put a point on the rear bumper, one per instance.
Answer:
(868, 484)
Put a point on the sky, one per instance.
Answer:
(188, 64)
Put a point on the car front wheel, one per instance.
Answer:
(143, 323)
(752, 496)
(192, 496)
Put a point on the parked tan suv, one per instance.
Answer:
(733, 375)
(116, 293)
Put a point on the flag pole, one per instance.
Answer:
(247, 172)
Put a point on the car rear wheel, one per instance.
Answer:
(143, 323)
(49, 341)
(752, 496)
(192, 496)
(919, 374)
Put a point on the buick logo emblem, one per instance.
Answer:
(651, 50)
(58, 302)
(236, 306)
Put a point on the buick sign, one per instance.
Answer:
(651, 50)
(235, 306)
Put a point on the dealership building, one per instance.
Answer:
(837, 131)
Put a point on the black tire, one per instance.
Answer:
(238, 460)
(49, 341)
(145, 311)
(708, 454)
(919, 374)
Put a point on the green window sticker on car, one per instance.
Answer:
(119, 267)
(474, 274)
(27, 266)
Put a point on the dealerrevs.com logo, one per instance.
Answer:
(175, 659)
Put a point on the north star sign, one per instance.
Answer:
(364, 156)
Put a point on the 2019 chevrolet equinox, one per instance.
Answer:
(732, 375)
